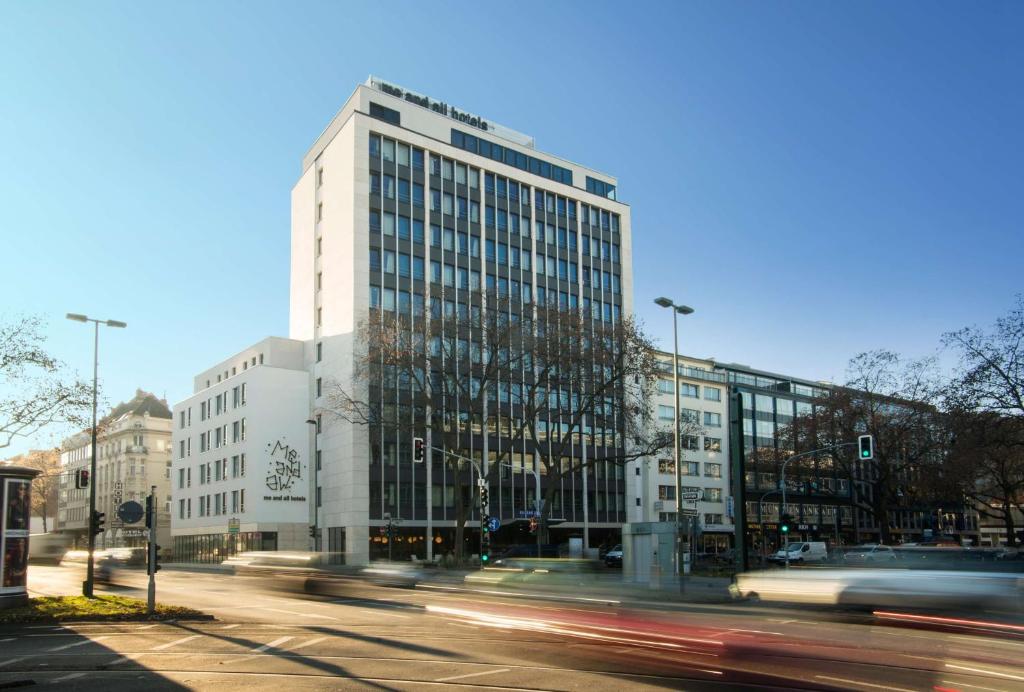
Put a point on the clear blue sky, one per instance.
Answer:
(816, 179)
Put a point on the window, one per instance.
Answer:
(665, 386)
(713, 519)
(690, 468)
(667, 492)
(712, 495)
(666, 412)
(666, 466)
(712, 444)
(713, 420)
(712, 393)
(690, 390)
(319, 352)
(712, 470)
(690, 415)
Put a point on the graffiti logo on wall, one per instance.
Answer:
(285, 467)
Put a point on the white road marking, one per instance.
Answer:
(986, 672)
(303, 615)
(862, 684)
(118, 661)
(973, 687)
(229, 627)
(311, 642)
(9, 639)
(168, 645)
(472, 675)
(69, 676)
(147, 627)
(462, 624)
(271, 645)
(74, 644)
(10, 661)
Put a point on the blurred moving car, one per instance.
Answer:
(886, 588)
(799, 553)
(404, 575)
(524, 550)
(48, 547)
(613, 558)
(869, 553)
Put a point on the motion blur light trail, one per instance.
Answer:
(953, 622)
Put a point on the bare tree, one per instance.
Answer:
(34, 390)
(894, 401)
(985, 401)
(541, 381)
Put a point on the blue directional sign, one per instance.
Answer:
(493, 524)
(130, 512)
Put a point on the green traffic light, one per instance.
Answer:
(864, 453)
(785, 529)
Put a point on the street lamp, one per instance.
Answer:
(316, 463)
(87, 585)
(676, 311)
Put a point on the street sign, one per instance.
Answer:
(659, 505)
(130, 512)
(692, 495)
(494, 523)
(729, 507)
(525, 514)
(481, 482)
(689, 511)
(233, 524)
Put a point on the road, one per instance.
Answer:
(361, 636)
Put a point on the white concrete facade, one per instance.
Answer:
(241, 449)
(703, 399)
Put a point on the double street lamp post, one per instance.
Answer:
(676, 311)
(87, 585)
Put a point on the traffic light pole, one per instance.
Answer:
(151, 553)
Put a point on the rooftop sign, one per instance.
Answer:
(443, 108)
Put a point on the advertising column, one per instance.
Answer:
(15, 505)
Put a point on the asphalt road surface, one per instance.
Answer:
(360, 636)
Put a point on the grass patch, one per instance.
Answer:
(103, 608)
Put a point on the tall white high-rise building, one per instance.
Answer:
(409, 204)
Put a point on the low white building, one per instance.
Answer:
(241, 473)
(704, 446)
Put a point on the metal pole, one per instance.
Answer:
(675, 433)
(316, 489)
(151, 553)
(586, 504)
(537, 504)
(87, 586)
(782, 510)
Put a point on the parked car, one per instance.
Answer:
(613, 558)
(801, 552)
(869, 553)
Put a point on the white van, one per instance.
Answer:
(801, 552)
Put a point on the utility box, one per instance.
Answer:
(648, 551)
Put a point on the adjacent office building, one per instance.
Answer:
(241, 470)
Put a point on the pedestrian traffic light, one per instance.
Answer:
(98, 518)
(417, 449)
(153, 565)
(82, 478)
(866, 447)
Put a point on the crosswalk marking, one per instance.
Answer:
(472, 675)
(277, 642)
(168, 645)
(10, 661)
(311, 642)
(69, 676)
(74, 644)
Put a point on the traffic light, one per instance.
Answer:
(417, 449)
(484, 500)
(149, 511)
(98, 518)
(866, 447)
(786, 524)
(153, 566)
(312, 532)
(82, 478)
